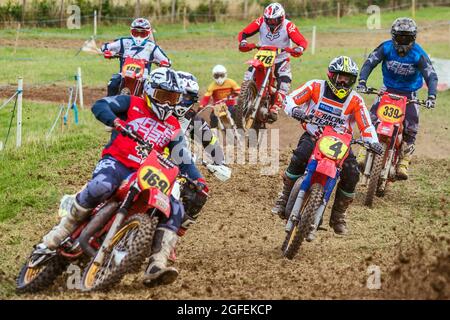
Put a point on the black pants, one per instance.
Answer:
(114, 84)
(349, 175)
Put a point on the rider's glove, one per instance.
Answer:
(119, 124)
(202, 187)
(298, 114)
(164, 63)
(297, 52)
(376, 147)
(361, 87)
(431, 102)
(244, 46)
(108, 54)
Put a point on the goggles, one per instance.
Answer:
(219, 75)
(404, 39)
(344, 80)
(140, 33)
(166, 97)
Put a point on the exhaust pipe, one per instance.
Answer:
(95, 225)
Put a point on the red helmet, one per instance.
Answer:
(274, 16)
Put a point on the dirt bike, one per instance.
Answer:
(258, 94)
(118, 235)
(381, 169)
(132, 77)
(225, 119)
(311, 192)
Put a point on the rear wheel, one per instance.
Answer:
(245, 103)
(129, 248)
(301, 228)
(40, 277)
(377, 167)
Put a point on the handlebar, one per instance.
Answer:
(118, 55)
(393, 96)
(136, 137)
(253, 46)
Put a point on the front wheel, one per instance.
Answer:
(377, 167)
(40, 277)
(245, 103)
(128, 250)
(301, 229)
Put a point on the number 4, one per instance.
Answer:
(337, 148)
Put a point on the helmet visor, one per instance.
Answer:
(344, 80)
(273, 22)
(166, 97)
(140, 33)
(404, 39)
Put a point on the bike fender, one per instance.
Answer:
(327, 167)
(160, 201)
(385, 129)
(255, 63)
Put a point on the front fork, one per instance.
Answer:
(259, 96)
(118, 220)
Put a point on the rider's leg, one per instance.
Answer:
(283, 75)
(213, 120)
(114, 84)
(411, 127)
(295, 169)
(164, 242)
(345, 194)
(107, 176)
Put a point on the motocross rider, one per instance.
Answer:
(276, 31)
(152, 118)
(195, 128)
(138, 46)
(221, 88)
(328, 102)
(404, 65)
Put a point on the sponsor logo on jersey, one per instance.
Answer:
(328, 120)
(273, 36)
(403, 69)
(327, 108)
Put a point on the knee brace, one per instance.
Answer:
(349, 176)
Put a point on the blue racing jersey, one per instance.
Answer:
(403, 74)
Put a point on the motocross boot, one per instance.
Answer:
(341, 203)
(76, 214)
(406, 153)
(283, 197)
(158, 273)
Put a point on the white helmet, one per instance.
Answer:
(163, 92)
(140, 30)
(274, 15)
(190, 96)
(219, 74)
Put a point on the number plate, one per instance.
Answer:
(151, 177)
(390, 113)
(129, 69)
(333, 148)
(267, 57)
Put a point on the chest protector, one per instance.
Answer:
(279, 39)
(142, 120)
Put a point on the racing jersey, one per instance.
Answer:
(317, 99)
(281, 38)
(228, 88)
(126, 47)
(403, 74)
(161, 134)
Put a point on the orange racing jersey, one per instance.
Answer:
(334, 112)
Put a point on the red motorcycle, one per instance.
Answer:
(118, 235)
(311, 192)
(260, 93)
(381, 169)
(132, 77)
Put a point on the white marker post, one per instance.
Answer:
(80, 87)
(313, 42)
(95, 23)
(19, 113)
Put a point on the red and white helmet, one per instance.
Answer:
(140, 30)
(274, 16)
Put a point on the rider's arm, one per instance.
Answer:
(296, 36)
(181, 156)
(299, 97)
(372, 61)
(236, 88)
(159, 56)
(106, 110)
(362, 118)
(429, 74)
(201, 132)
(251, 29)
(205, 100)
(115, 46)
